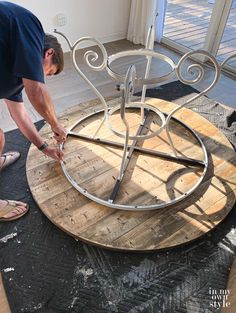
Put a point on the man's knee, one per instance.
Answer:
(1, 135)
(2, 141)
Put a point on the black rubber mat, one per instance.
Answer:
(46, 271)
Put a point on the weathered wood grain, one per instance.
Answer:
(148, 180)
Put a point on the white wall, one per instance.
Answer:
(106, 20)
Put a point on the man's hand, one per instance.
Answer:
(60, 133)
(54, 153)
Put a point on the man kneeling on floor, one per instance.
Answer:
(26, 55)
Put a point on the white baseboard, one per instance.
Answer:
(104, 39)
(113, 37)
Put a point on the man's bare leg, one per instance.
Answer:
(21, 207)
(2, 141)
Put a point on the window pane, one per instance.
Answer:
(187, 21)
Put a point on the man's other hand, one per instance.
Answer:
(54, 153)
(60, 133)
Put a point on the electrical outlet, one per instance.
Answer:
(60, 19)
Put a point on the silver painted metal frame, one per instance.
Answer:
(127, 85)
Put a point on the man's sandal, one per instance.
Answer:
(8, 158)
(11, 206)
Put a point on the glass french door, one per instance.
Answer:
(187, 25)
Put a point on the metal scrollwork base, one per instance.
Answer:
(127, 84)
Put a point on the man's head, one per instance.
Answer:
(53, 61)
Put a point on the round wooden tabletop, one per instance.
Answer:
(148, 178)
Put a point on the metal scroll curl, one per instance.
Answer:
(90, 57)
(232, 56)
(197, 73)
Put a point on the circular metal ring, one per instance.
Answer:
(140, 207)
(141, 52)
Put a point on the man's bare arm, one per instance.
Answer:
(42, 102)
